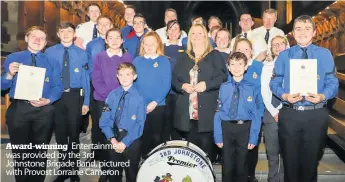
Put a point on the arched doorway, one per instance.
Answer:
(228, 11)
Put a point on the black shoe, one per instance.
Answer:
(61, 178)
(252, 179)
(103, 178)
(74, 178)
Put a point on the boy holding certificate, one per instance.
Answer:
(122, 123)
(303, 120)
(31, 121)
(74, 102)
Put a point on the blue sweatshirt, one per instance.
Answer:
(154, 78)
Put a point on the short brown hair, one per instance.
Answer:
(171, 9)
(35, 28)
(94, 4)
(225, 30)
(104, 16)
(130, 7)
(214, 28)
(270, 11)
(160, 48)
(64, 25)
(238, 40)
(238, 56)
(304, 19)
(216, 18)
(126, 65)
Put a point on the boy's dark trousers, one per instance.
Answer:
(235, 151)
(97, 135)
(67, 121)
(28, 124)
(131, 154)
(302, 138)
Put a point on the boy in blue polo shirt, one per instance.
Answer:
(122, 122)
(303, 120)
(237, 122)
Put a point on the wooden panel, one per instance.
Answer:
(51, 20)
(65, 16)
(32, 11)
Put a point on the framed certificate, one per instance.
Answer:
(30, 81)
(303, 76)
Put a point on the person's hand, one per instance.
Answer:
(220, 145)
(120, 147)
(276, 117)
(151, 106)
(315, 98)
(292, 98)
(251, 146)
(39, 103)
(200, 87)
(84, 110)
(188, 88)
(114, 142)
(13, 68)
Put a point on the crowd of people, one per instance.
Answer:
(145, 87)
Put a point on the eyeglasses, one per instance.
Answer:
(276, 45)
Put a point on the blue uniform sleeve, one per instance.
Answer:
(5, 83)
(136, 131)
(217, 122)
(88, 51)
(260, 102)
(165, 81)
(56, 84)
(107, 119)
(256, 123)
(331, 82)
(86, 80)
(276, 84)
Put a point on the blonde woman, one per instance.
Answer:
(197, 76)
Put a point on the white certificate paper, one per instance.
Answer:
(303, 76)
(30, 81)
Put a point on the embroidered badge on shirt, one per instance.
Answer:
(180, 50)
(155, 65)
(255, 76)
(134, 117)
(47, 79)
(249, 99)
(76, 70)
